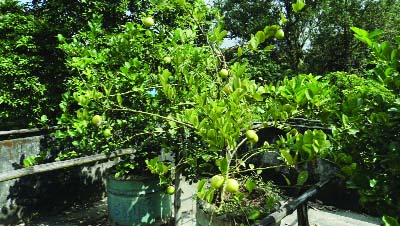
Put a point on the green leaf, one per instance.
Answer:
(253, 43)
(393, 56)
(30, 161)
(390, 221)
(181, 2)
(60, 38)
(302, 177)
(353, 131)
(375, 34)
(287, 180)
(307, 94)
(240, 51)
(397, 39)
(283, 19)
(260, 36)
(254, 215)
(222, 165)
(250, 185)
(359, 31)
(119, 99)
(201, 184)
(210, 195)
(43, 119)
(285, 153)
(258, 97)
(269, 48)
(222, 34)
(372, 183)
(298, 6)
(345, 120)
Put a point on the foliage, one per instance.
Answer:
(300, 96)
(296, 147)
(288, 53)
(368, 133)
(152, 103)
(362, 115)
(390, 221)
(158, 88)
(223, 113)
(386, 56)
(365, 136)
(22, 90)
(236, 17)
(261, 66)
(123, 76)
(41, 63)
(68, 18)
(332, 47)
(318, 39)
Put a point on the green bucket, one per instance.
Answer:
(137, 201)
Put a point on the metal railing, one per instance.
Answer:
(299, 204)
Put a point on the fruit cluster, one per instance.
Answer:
(217, 182)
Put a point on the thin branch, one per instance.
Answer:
(155, 115)
(139, 134)
(238, 146)
(261, 168)
(214, 49)
(253, 154)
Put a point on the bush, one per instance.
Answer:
(22, 90)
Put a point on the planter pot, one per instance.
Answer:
(137, 201)
(204, 216)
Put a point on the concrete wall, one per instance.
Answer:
(46, 193)
(11, 152)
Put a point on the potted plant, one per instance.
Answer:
(153, 87)
(220, 111)
(121, 97)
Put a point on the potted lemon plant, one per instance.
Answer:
(220, 107)
(153, 87)
(113, 103)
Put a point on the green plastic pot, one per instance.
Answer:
(137, 201)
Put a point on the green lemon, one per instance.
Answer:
(217, 181)
(232, 185)
(279, 34)
(96, 120)
(148, 21)
(107, 132)
(227, 89)
(252, 136)
(170, 190)
(223, 73)
(167, 60)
